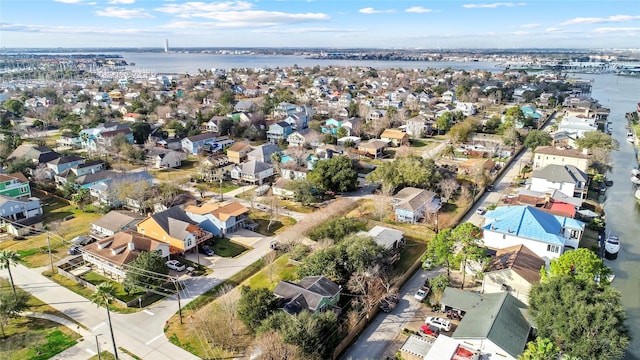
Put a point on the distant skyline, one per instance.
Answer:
(320, 23)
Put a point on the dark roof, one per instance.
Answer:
(66, 159)
(94, 177)
(112, 133)
(521, 260)
(561, 173)
(117, 219)
(167, 219)
(200, 137)
(306, 294)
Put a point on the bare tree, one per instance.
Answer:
(269, 259)
(270, 346)
(465, 194)
(448, 187)
(228, 298)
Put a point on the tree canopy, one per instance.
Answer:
(585, 319)
(597, 139)
(537, 138)
(335, 229)
(407, 171)
(255, 305)
(337, 174)
(581, 263)
(141, 271)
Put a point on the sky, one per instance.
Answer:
(414, 24)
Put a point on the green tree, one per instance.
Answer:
(16, 107)
(584, 318)
(444, 122)
(440, 250)
(439, 282)
(537, 138)
(459, 133)
(330, 139)
(224, 126)
(255, 305)
(8, 258)
(581, 263)
(540, 349)
(468, 239)
(341, 132)
(360, 253)
(142, 273)
(597, 140)
(326, 262)
(514, 116)
(337, 174)
(103, 297)
(141, 131)
(81, 197)
(11, 305)
(303, 191)
(493, 124)
(69, 188)
(407, 171)
(335, 229)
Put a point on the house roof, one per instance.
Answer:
(500, 318)
(374, 144)
(113, 133)
(393, 134)
(174, 221)
(264, 151)
(417, 346)
(66, 159)
(254, 167)
(222, 211)
(239, 146)
(561, 173)
(384, 236)
(10, 177)
(117, 219)
(552, 150)
(115, 249)
(529, 222)
(201, 137)
(521, 260)
(307, 293)
(412, 199)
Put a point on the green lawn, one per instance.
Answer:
(87, 293)
(227, 248)
(270, 275)
(412, 251)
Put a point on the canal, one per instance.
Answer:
(621, 94)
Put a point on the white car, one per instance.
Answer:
(175, 265)
(480, 211)
(420, 295)
(440, 323)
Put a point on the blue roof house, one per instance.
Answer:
(531, 112)
(547, 235)
(331, 126)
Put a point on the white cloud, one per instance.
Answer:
(594, 20)
(68, 1)
(530, 26)
(124, 13)
(122, 1)
(68, 29)
(520, 32)
(609, 30)
(552, 30)
(493, 5)
(195, 7)
(418, 9)
(370, 10)
(306, 30)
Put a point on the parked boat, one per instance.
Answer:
(637, 195)
(635, 179)
(611, 246)
(635, 172)
(630, 137)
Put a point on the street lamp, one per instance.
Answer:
(221, 196)
(98, 345)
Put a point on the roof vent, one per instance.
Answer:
(131, 246)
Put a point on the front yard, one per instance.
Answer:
(227, 248)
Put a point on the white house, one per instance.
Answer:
(547, 235)
(550, 155)
(567, 179)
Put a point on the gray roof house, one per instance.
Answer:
(252, 171)
(313, 293)
(16, 209)
(410, 204)
(568, 179)
(385, 237)
(115, 221)
(263, 153)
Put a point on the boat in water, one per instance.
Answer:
(611, 246)
(630, 137)
(635, 172)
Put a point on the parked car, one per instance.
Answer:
(204, 249)
(74, 250)
(440, 323)
(421, 294)
(480, 211)
(429, 330)
(175, 265)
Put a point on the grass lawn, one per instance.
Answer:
(33, 338)
(278, 225)
(419, 143)
(412, 251)
(187, 169)
(226, 187)
(270, 275)
(227, 248)
(295, 206)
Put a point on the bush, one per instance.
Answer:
(336, 229)
(300, 252)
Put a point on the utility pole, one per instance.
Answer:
(175, 283)
(98, 345)
(221, 195)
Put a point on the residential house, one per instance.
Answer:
(212, 124)
(298, 120)
(373, 148)
(263, 153)
(331, 126)
(110, 256)
(131, 117)
(214, 168)
(530, 112)
(65, 162)
(390, 239)
(171, 143)
(395, 137)
(175, 227)
(253, 171)
(284, 109)
(376, 114)
(103, 185)
(68, 139)
(568, 179)
(411, 205)
(418, 126)
(245, 106)
(547, 235)
(237, 153)
(279, 188)
(278, 131)
(494, 326)
(448, 96)
(100, 137)
(296, 139)
(550, 155)
(115, 221)
(312, 293)
(353, 140)
(220, 144)
(467, 109)
(14, 209)
(165, 158)
(79, 108)
(88, 167)
(577, 126)
(219, 219)
(195, 144)
(14, 185)
(37, 154)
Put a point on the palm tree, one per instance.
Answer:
(103, 296)
(8, 258)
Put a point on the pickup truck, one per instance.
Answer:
(422, 293)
